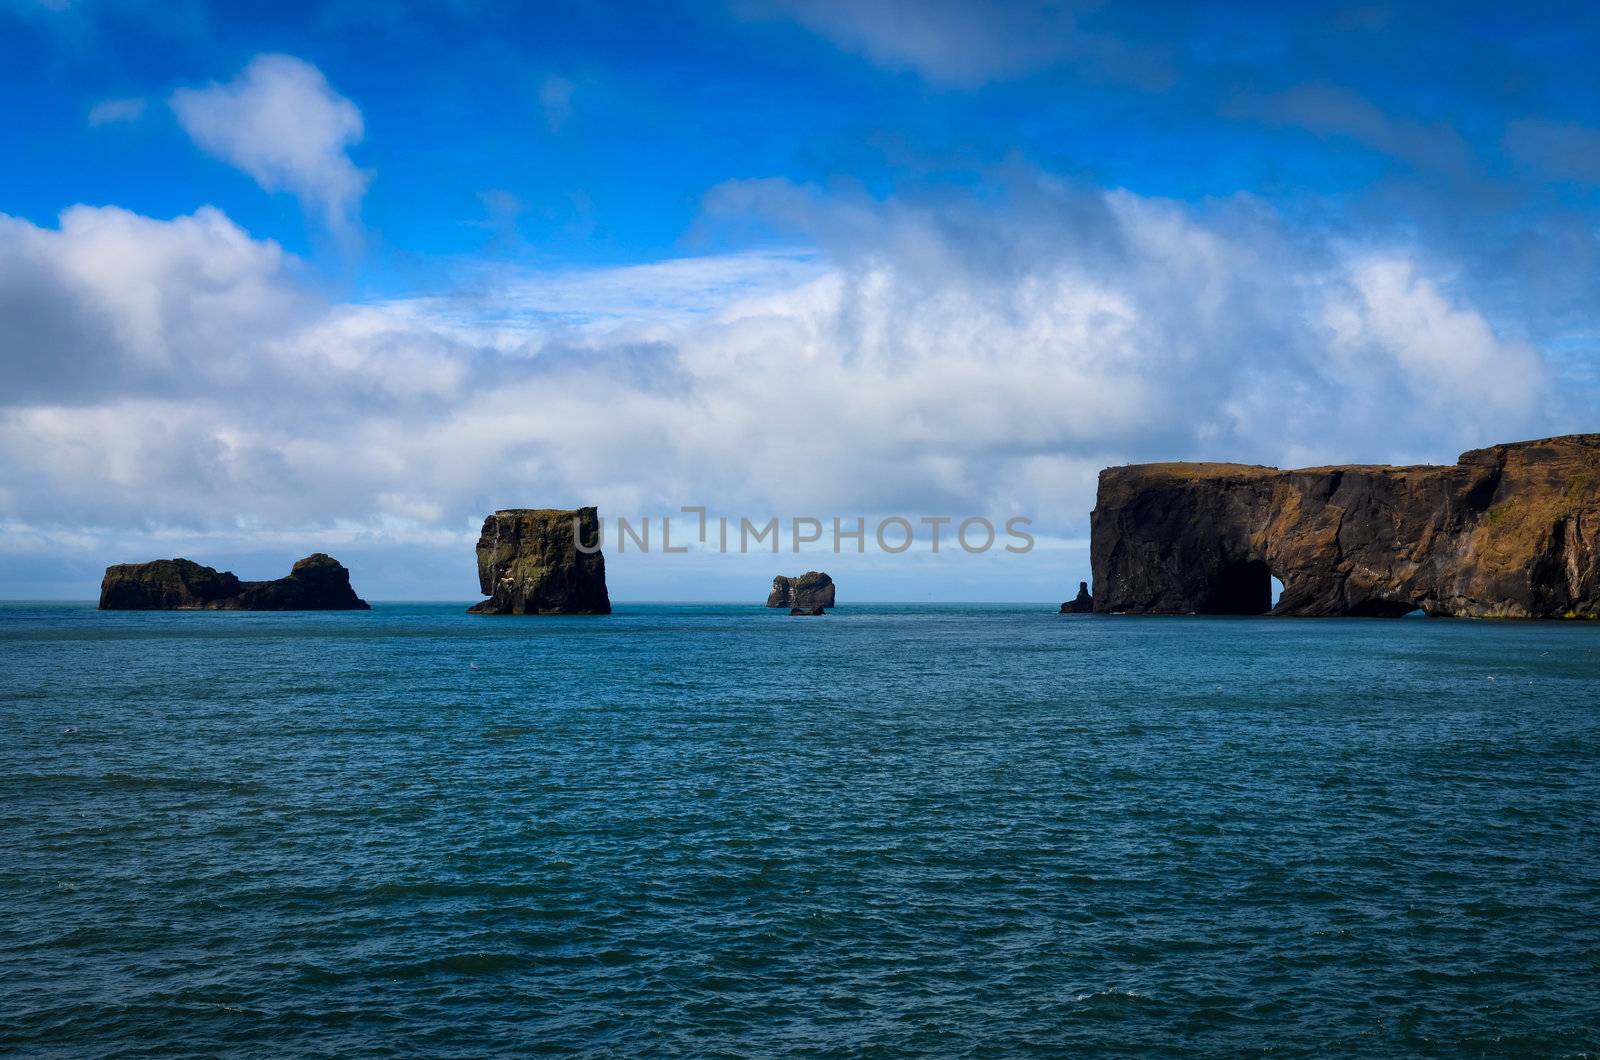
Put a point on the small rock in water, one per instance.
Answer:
(813, 589)
(1082, 604)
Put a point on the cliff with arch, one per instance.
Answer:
(1511, 531)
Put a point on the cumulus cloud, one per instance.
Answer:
(110, 303)
(1394, 328)
(180, 376)
(283, 124)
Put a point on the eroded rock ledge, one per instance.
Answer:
(529, 563)
(317, 583)
(1509, 531)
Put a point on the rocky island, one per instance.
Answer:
(1511, 531)
(808, 594)
(529, 563)
(317, 583)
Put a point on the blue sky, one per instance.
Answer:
(346, 276)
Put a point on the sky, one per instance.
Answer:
(278, 278)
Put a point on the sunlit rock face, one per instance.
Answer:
(1511, 531)
(317, 583)
(530, 563)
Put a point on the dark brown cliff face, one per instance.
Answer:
(317, 583)
(1510, 531)
(529, 563)
(807, 593)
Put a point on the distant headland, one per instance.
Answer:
(1511, 531)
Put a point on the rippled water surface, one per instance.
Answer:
(723, 831)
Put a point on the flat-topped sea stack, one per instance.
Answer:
(1511, 531)
(806, 594)
(1082, 604)
(529, 563)
(317, 583)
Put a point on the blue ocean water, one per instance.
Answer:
(722, 831)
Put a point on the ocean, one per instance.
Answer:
(721, 831)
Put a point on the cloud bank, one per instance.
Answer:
(180, 377)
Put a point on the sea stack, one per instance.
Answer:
(1082, 604)
(1511, 531)
(317, 583)
(807, 593)
(529, 563)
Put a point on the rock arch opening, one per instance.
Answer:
(1241, 587)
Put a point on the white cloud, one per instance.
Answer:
(111, 302)
(1395, 324)
(283, 124)
(112, 111)
(179, 376)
